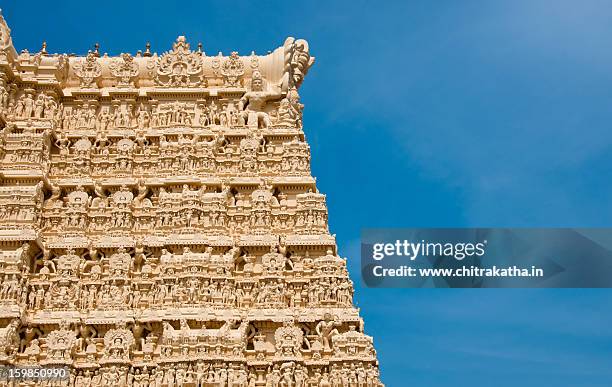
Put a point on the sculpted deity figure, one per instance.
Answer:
(203, 116)
(253, 103)
(141, 197)
(118, 343)
(165, 257)
(53, 201)
(326, 329)
(85, 333)
(273, 261)
(287, 371)
(104, 119)
(50, 108)
(164, 146)
(213, 113)
(28, 105)
(39, 106)
(63, 143)
(101, 200)
(20, 106)
(289, 339)
(90, 117)
(290, 110)
(285, 113)
(33, 350)
(120, 262)
(9, 339)
(111, 377)
(60, 342)
(4, 94)
(143, 117)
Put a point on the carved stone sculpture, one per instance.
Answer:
(88, 70)
(160, 225)
(125, 70)
(60, 343)
(253, 103)
(180, 67)
(232, 70)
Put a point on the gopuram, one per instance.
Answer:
(159, 225)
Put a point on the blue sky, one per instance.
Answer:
(423, 113)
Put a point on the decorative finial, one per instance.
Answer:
(97, 50)
(199, 47)
(147, 49)
(43, 49)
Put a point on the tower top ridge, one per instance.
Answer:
(284, 67)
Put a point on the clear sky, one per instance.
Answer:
(426, 113)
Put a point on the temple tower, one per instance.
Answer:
(159, 224)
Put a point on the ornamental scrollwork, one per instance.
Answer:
(125, 70)
(232, 70)
(180, 67)
(88, 70)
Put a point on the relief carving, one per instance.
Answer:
(232, 70)
(88, 70)
(180, 67)
(125, 70)
(162, 227)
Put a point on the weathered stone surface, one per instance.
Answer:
(159, 225)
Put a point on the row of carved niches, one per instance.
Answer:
(143, 156)
(161, 292)
(20, 204)
(226, 111)
(16, 258)
(175, 260)
(205, 374)
(26, 145)
(178, 155)
(74, 342)
(213, 374)
(173, 143)
(195, 294)
(143, 278)
(250, 109)
(181, 208)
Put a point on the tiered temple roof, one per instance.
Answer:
(159, 224)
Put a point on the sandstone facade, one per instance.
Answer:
(159, 224)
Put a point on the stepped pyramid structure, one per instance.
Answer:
(159, 225)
